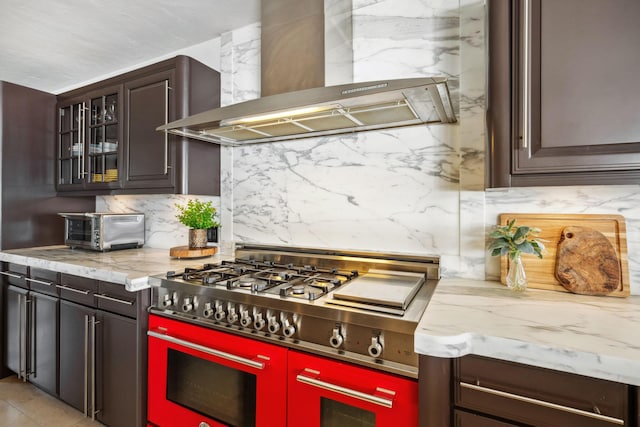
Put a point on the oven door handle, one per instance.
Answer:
(198, 347)
(387, 403)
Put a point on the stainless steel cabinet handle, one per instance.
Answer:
(93, 367)
(198, 347)
(15, 276)
(86, 362)
(78, 291)
(387, 403)
(108, 298)
(526, 77)
(19, 336)
(166, 120)
(42, 282)
(31, 370)
(563, 408)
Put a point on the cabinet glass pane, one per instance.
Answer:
(110, 167)
(111, 108)
(65, 172)
(65, 145)
(97, 136)
(65, 119)
(111, 137)
(97, 111)
(77, 121)
(337, 414)
(96, 168)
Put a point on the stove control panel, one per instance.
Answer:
(262, 321)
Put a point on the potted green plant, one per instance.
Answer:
(513, 241)
(198, 216)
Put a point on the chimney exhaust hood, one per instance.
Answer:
(321, 111)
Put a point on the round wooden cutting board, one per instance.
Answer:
(185, 252)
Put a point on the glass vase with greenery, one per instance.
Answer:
(514, 241)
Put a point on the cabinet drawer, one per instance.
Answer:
(78, 289)
(15, 274)
(466, 419)
(116, 299)
(538, 396)
(44, 281)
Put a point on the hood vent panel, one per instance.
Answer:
(322, 111)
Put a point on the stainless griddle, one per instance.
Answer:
(380, 290)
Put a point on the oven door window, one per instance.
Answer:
(79, 230)
(215, 391)
(337, 414)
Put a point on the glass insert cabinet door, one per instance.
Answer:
(71, 145)
(89, 132)
(103, 139)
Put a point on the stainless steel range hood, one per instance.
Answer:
(322, 111)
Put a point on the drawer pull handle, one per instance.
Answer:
(108, 298)
(42, 282)
(15, 276)
(575, 411)
(68, 288)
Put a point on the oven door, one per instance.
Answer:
(328, 393)
(199, 377)
(78, 230)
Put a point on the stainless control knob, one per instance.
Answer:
(336, 339)
(219, 315)
(187, 305)
(288, 329)
(204, 424)
(245, 319)
(232, 316)
(375, 349)
(258, 323)
(274, 325)
(167, 301)
(207, 311)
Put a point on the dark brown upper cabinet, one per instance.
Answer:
(107, 138)
(563, 96)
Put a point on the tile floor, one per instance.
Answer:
(24, 405)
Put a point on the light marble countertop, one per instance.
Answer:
(593, 336)
(129, 267)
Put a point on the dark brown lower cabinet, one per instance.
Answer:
(103, 353)
(483, 392)
(31, 337)
(75, 366)
(117, 374)
(44, 342)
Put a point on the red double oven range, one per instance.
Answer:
(283, 336)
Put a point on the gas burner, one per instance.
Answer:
(307, 288)
(252, 282)
(297, 289)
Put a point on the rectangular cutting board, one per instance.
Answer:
(541, 272)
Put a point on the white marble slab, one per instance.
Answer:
(130, 267)
(592, 336)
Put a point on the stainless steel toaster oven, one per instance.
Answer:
(103, 231)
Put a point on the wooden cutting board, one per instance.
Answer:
(541, 272)
(186, 252)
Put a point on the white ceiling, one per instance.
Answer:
(54, 44)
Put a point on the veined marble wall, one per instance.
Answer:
(162, 229)
(394, 190)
